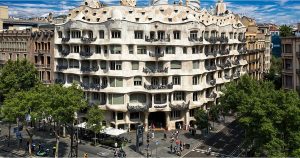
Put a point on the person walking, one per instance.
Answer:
(171, 147)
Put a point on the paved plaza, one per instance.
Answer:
(158, 145)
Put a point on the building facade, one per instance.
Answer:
(291, 62)
(153, 65)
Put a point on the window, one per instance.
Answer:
(176, 34)
(288, 48)
(175, 114)
(196, 80)
(115, 34)
(219, 74)
(116, 98)
(184, 50)
(288, 82)
(176, 80)
(288, 64)
(196, 64)
(170, 50)
(116, 82)
(206, 33)
(76, 34)
(175, 64)
(134, 115)
(76, 49)
(195, 96)
(115, 49)
(193, 34)
(98, 49)
(141, 50)
(137, 98)
(192, 112)
(231, 35)
(161, 34)
(135, 65)
(101, 34)
(59, 34)
(138, 34)
(177, 96)
(137, 81)
(130, 49)
(116, 65)
(103, 65)
(96, 96)
(120, 116)
(73, 63)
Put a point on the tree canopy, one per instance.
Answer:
(270, 117)
(285, 31)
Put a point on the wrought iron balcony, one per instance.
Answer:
(86, 54)
(182, 106)
(97, 86)
(211, 67)
(159, 70)
(236, 74)
(89, 69)
(223, 39)
(212, 95)
(65, 52)
(166, 39)
(65, 39)
(59, 81)
(157, 55)
(153, 87)
(192, 39)
(88, 39)
(212, 82)
(214, 53)
(242, 51)
(242, 39)
(160, 105)
(224, 52)
(61, 67)
(236, 62)
(84, 85)
(137, 107)
(212, 39)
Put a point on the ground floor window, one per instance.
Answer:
(120, 116)
(134, 115)
(192, 112)
(175, 114)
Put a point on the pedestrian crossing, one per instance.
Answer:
(202, 151)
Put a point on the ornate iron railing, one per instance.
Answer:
(159, 70)
(133, 107)
(88, 39)
(86, 54)
(182, 106)
(152, 87)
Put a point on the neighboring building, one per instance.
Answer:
(276, 42)
(258, 47)
(151, 65)
(291, 62)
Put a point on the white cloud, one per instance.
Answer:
(282, 2)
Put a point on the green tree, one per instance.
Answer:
(285, 31)
(274, 74)
(16, 76)
(201, 119)
(95, 118)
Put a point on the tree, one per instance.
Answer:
(201, 119)
(274, 74)
(285, 31)
(270, 117)
(16, 76)
(95, 118)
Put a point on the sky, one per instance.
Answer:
(264, 11)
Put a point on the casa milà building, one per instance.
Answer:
(152, 65)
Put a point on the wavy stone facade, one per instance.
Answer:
(153, 65)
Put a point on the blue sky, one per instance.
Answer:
(270, 11)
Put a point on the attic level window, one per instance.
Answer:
(194, 15)
(86, 11)
(77, 11)
(98, 19)
(83, 18)
(176, 11)
(94, 14)
(108, 18)
(86, 3)
(161, 10)
(69, 14)
(130, 12)
(137, 19)
(187, 11)
(170, 19)
(88, 19)
(143, 13)
(104, 12)
(149, 18)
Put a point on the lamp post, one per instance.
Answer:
(76, 119)
(207, 120)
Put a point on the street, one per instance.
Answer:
(225, 143)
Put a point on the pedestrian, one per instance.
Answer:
(179, 126)
(165, 136)
(152, 135)
(53, 150)
(39, 146)
(115, 153)
(171, 147)
(116, 144)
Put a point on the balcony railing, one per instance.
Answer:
(153, 87)
(86, 54)
(166, 39)
(65, 39)
(157, 55)
(236, 62)
(97, 86)
(160, 105)
(182, 106)
(61, 67)
(212, 40)
(137, 107)
(193, 39)
(213, 53)
(227, 77)
(88, 39)
(89, 69)
(212, 82)
(242, 39)
(159, 70)
(223, 39)
(242, 51)
(224, 52)
(65, 52)
(59, 81)
(236, 74)
(212, 95)
(211, 67)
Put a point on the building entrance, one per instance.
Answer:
(157, 120)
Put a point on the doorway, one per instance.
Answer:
(157, 119)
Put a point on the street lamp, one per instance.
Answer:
(76, 118)
(207, 109)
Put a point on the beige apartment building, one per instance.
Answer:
(291, 62)
(258, 48)
(152, 65)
